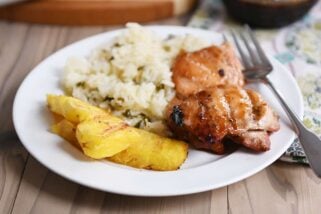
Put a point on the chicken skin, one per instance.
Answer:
(209, 67)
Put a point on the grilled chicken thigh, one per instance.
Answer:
(208, 118)
(209, 67)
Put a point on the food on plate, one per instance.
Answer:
(210, 117)
(66, 130)
(131, 75)
(151, 151)
(176, 86)
(101, 135)
(211, 107)
(74, 110)
(208, 67)
(98, 139)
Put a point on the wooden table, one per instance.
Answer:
(28, 187)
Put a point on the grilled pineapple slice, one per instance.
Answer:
(150, 151)
(75, 110)
(130, 146)
(101, 135)
(100, 140)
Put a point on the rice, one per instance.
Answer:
(131, 76)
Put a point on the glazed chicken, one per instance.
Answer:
(210, 117)
(211, 107)
(209, 67)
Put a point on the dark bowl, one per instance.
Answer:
(268, 13)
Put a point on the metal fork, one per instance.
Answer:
(257, 68)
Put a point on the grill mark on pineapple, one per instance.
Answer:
(111, 129)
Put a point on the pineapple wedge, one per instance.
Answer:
(151, 151)
(75, 110)
(100, 140)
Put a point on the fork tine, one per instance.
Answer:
(259, 49)
(238, 46)
(253, 56)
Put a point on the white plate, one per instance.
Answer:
(201, 171)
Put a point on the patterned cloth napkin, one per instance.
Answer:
(297, 46)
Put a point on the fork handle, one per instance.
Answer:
(311, 143)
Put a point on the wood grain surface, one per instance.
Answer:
(28, 187)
